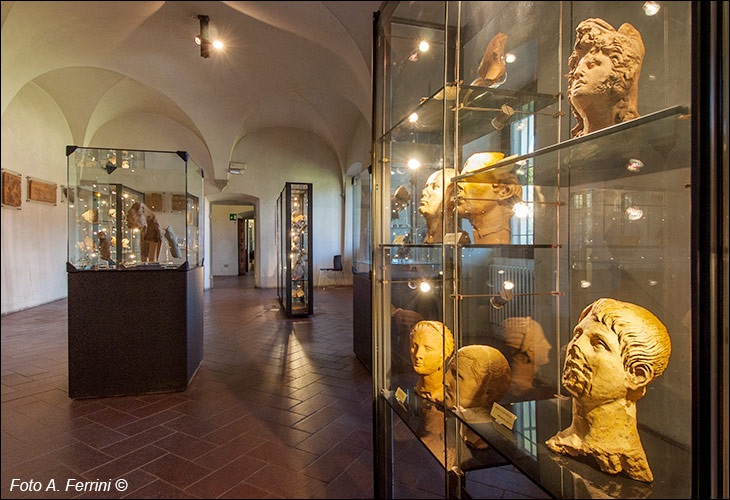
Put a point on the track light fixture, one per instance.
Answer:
(205, 38)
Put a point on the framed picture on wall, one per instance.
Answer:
(41, 191)
(179, 202)
(11, 188)
(154, 201)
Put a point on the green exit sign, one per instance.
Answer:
(232, 216)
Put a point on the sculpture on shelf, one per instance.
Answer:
(432, 205)
(617, 349)
(104, 248)
(141, 217)
(488, 203)
(172, 242)
(530, 350)
(492, 71)
(398, 201)
(431, 343)
(484, 377)
(603, 82)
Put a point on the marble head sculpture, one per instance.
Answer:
(604, 75)
(431, 343)
(488, 203)
(617, 349)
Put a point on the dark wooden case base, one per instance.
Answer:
(133, 332)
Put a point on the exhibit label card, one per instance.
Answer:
(401, 396)
(503, 416)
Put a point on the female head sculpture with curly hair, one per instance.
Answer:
(604, 75)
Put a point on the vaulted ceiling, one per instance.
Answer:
(285, 64)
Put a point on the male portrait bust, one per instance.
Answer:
(431, 343)
(488, 203)
(603, 82)
(617, 349)
(432, 204)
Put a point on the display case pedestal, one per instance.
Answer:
(133, 332)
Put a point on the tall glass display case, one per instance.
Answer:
(533, 202)
(361, 264)
(135, 271)
(295, 285)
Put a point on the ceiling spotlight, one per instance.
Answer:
(413, 118)
(218, 45)
(651, 8)
(424, 286)
(204, 36)
(634, 165)
(414, 56)
(423, 46)
(198, 40)
(509, 58)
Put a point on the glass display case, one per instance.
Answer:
(295, 284)
(135, 271)
(133, 209)
(362, 342)
(532, 205)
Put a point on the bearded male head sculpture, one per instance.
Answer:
(431, 343)
(617, 349)
(603, 82)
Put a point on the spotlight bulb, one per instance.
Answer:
(509, 58)
(198, 40)
(521, 210)
(413, 163)
(424, 286)
(413, 118)
(218, 45)
(423, 46)
(651, 8)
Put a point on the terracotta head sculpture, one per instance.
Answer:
(431, 343)
(484, 377)
(491, 69)
(488, 203)
(531, 349)
(141, 217)
(604, 75)
(432, 204)
(617, 349)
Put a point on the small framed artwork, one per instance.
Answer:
(154, 201)
(11, 187)
(179, 202)
(41, 191)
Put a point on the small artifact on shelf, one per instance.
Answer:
(603, 81)
(484, 377)
(172, 242)
(141, 217)
(492, 70)
(431, 343)
(89, 244)
(112, 212)
(399, 200)
(104, 248)
(618, 348)
(531, 350)
(487, 201)
(91, 216)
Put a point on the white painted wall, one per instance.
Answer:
(34, 137)
(224, 236)
(278, 155)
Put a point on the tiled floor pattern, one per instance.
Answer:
(280, 408)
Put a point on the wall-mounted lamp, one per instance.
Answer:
(205, 39)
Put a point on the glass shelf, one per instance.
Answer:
(477, 105)
(605, 154)
(567, 477)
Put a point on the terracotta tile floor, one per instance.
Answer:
(280, 408)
